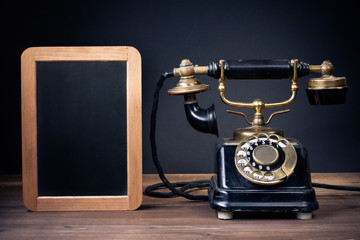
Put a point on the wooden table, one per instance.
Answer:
(178, 218)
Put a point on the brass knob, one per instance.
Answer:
(327, 80)
(188, 84)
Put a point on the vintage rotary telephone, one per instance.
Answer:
(259, 169)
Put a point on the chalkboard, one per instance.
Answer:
(81, 126)
(81, 118)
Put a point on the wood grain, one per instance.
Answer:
(29, 59)
(50, 54)
(29, 128)
(134, 131)
(178, 218)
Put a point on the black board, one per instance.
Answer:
(81, 128)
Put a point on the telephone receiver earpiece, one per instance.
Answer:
(202, 120)
(327, 89)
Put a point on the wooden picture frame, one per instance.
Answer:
(30, 58)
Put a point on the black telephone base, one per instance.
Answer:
(230, 192)
(270, 200)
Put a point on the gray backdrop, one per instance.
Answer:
(165, 32)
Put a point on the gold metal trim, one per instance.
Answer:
(188, 87)
(326, 68)
(242, 133)
(188, 84)
(258, 105)
(327, 80)
(315, 68)
(264, 177)
(258, 161)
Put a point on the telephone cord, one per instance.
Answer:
(172, 187)
(183, 186)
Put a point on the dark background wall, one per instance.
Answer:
(165, 32)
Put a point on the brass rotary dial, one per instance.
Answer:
(265, 159)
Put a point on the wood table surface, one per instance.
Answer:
(178, 218)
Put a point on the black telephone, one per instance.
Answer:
(258, 169)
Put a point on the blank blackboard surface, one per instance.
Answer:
(81, 128)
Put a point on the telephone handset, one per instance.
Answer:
(258, 169)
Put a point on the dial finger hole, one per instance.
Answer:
(253, 139)
(241, 153)
(242, 162)
(283, 143)
(269, 176)
(248, 169)
(258, 175)
(273, 138)
(245, 145)
(262, 137)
